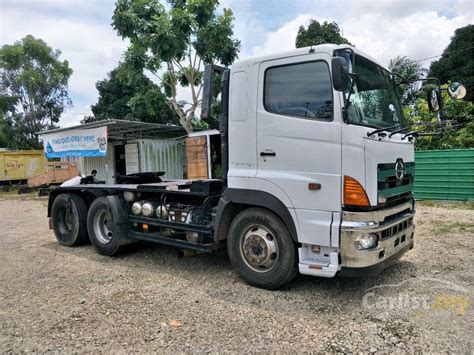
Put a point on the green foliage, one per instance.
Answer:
(457, 61)
(316, 33)
(33, 91)
(127, 94)
(411, 71)
(455, 138)
(173, 43)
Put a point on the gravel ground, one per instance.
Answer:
(54, 298)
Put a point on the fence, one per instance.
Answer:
(444, 174)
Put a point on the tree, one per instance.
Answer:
(456, 138)
(173, 44)
(128, 94)
(33, 89)
(457, 61)
(411, 71)
(328, 32)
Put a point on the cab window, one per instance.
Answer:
(302, 90)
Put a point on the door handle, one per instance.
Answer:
(268, 154)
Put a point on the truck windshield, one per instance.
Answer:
(374, 99)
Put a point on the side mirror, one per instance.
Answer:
(340, 74)
(93, 173)
(434, 100)
(457, 91)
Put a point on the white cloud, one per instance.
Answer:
(247, 26)
(417, 36)
(383, 29)
(89, 44)
(282, 39)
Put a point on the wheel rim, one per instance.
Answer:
(259, 249)
(103, 227)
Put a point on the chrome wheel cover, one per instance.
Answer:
(259, 248)
(103, 227)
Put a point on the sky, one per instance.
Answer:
(382, 28)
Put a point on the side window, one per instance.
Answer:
(302, 90)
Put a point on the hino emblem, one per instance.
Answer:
(399, 170)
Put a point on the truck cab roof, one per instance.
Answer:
(321, 48)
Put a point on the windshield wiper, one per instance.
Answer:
(440, 129)
(402, 129)
(405, 128)
(378, 130)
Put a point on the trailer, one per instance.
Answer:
(316, 175)
(20, 165)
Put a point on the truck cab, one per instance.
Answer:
(293, 142)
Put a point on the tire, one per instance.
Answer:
(69, 213)
(261, 250)
(106, 236)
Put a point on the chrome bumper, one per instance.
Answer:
(393, 227)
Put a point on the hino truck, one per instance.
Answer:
(317, 170)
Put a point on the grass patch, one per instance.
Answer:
(454, 228)
(12, 193)
(462, 205)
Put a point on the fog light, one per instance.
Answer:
(128, 196)
(136, 208)
(366, 241)
(147, 209)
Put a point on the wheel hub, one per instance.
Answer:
(103, 227)
(259, 249)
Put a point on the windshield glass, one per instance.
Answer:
(374, 100)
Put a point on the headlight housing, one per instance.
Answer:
(366, 241)
(137, 208)
(128, 196)
(147, 209)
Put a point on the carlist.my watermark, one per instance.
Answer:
(445, 296)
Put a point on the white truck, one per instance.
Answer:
(317, 175)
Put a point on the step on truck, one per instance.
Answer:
(317, 168)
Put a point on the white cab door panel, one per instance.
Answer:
(298, 141)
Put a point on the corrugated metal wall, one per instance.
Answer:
(154, 155)
(444, 174)
(162, 155)
(105, 166)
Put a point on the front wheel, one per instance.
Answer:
(261, 249)
(106, 236)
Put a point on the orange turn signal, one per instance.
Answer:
(354, 193)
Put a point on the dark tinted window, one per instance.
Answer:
(302, 90)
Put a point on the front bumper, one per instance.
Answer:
(395, 233)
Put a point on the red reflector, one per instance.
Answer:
(50, 222)
(314, 186)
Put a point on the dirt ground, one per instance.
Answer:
(54, 298)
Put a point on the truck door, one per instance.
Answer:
(298, 140)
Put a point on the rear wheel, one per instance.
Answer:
(106, 236)
(261, 249)
(69, 213)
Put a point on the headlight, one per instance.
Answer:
(136, 208)
(147, 209)
(366, 241)
(162, 212)
(128, 196)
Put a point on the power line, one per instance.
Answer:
(436, 56)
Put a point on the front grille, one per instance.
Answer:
(391, 190)
(389, 232)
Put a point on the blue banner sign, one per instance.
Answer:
(90, 142)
